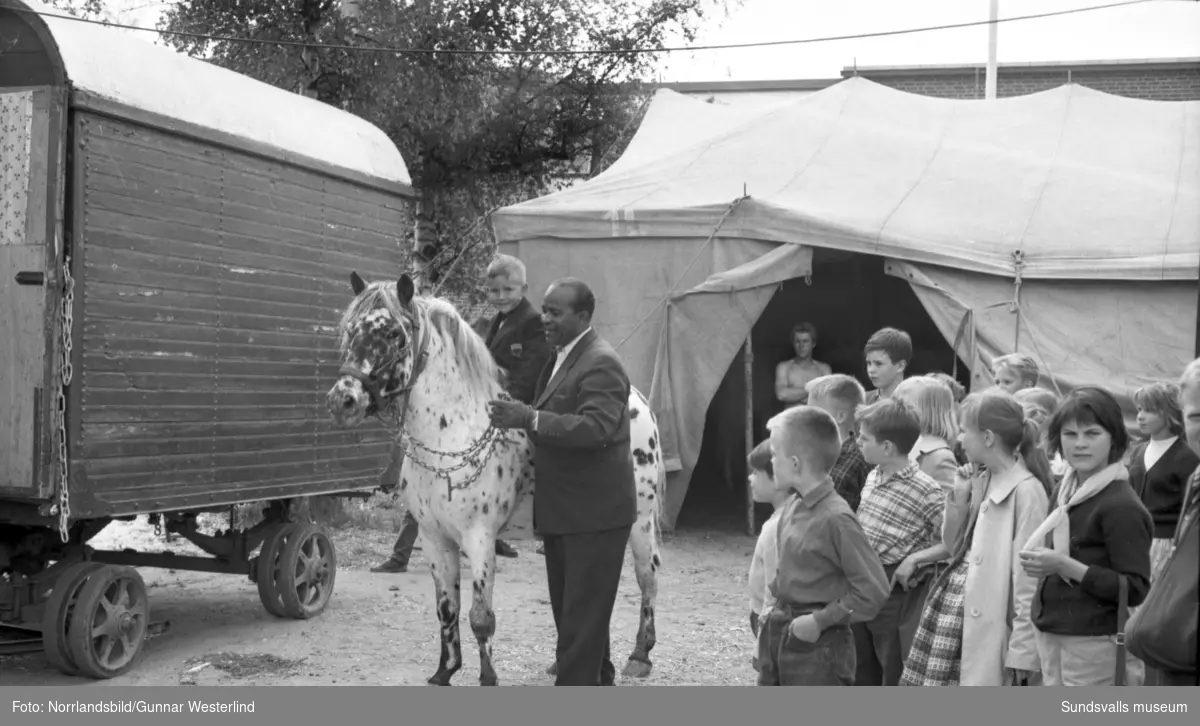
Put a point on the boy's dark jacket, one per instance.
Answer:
(517, 342)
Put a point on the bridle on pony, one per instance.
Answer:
(381, 399)
(474, 456)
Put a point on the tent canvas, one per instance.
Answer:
(1076, 209)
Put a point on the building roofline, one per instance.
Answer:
(800, 84)
(817, 84)
(1038, 67)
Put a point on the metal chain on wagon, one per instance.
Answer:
(66, 373)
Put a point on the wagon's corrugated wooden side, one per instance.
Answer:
(212, 285)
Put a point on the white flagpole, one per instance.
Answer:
(990, 81)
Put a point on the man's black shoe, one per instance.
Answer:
(390, 565)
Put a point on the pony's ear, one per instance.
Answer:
(405, 289)
(357, 283)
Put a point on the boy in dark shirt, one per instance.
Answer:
(828, 575)
(887, 354)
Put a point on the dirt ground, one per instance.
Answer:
(381, 629)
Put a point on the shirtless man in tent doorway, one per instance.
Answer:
(792, 375)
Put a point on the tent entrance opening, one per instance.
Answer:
(849, 298)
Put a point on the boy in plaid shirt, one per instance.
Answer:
(901, 513)
(840, 395)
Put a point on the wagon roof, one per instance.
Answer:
(123, 67)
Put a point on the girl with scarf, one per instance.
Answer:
(976, 629)
(1099, 529)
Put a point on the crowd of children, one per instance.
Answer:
(922, 536)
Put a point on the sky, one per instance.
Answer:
(1164, 29)
(1161, 29)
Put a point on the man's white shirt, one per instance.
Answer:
(561, 356)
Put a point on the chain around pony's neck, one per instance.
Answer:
(393, 418)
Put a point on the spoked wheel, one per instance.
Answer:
(307, 570)
(109, 622)
(267, 568)
(56, 617)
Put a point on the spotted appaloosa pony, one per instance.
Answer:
(417, 365)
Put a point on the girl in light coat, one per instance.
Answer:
(976, 628)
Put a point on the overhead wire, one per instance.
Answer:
(589, 51)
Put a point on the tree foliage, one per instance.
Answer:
(475, 130)
(87, 9)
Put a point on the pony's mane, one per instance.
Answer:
(436, 315)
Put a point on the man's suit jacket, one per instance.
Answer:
(518, 344)
(582, 460)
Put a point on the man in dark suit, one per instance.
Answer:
(585, 501)
(517, 342)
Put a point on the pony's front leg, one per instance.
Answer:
(444, 565)
(481, 551)
(643, 541)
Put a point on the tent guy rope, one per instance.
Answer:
(671, 291)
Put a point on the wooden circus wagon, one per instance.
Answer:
(175, 245)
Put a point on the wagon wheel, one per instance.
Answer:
(56, 615)
(267, 568)
(109, 622)
(307, 570)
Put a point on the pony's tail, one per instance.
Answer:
(1035, 458)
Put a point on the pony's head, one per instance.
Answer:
(381, 350)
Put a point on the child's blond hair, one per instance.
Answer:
(1040, 397)
(1025, 368)
(934, 403)
(844, 391)
(811, 435)
(1163, 399)
(508, 267)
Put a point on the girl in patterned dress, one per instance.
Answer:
(976, 628)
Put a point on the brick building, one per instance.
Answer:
(1166, 79)
(1156, 80)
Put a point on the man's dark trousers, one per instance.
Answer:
(584, 574)
(402, 550)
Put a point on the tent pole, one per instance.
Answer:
(1197, 349)
(748, 372)
(989, 89)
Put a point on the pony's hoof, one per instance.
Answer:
(636, 669)
(553, 669)
(439, 679)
